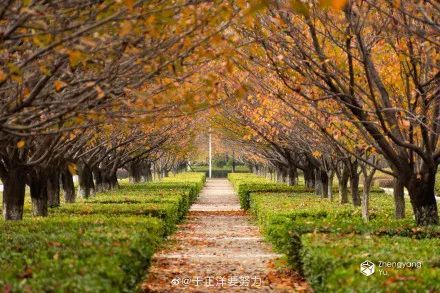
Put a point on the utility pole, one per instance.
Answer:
(210, 154)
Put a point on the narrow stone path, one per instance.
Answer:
(218, 248)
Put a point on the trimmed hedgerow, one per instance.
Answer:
(102, 244)
(247, 184)
(332, 263)
(290, 220)
(77, 253)
(284, 218)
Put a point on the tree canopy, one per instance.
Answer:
(328, 87)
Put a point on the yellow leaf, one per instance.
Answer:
(2, 75)
(126, 28)
(72, 168)
(129, 4)
(336, 4)
(26, 92)
(75, 57)
(150, 20)
(100, 92)
(59, 85)
(339, 4)
(316, 154)
(21, 144)
(406, 124)
(229, 66)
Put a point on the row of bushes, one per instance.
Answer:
(103, 244)
(247, 183)
(327, 241)
(217, 172)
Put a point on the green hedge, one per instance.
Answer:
(285, 218)
(332, 263)
(247, 183)
(290, 221)
(168, 212)
(77, 253)
(102, 244)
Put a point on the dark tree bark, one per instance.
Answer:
(38, 186)
(399, 198)
(309, 177)
(148, 175)
(330, 176)
(421, 192)
(354, 184)
(292, 175)
(68, 186)
(99, 180)
(282, 174)
(318, 182)
(324, 184)
(134, 172)
(367, 182)
(108, 179)
(13, 194)
(343, 174)
(114, 180)
(86, 184)
(53, 188)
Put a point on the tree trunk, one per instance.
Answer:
(99, 180)
(134, 173)
(367, 180)
(113, 180)
(53, 188)
(38, 186)
(148, 174)
(309, 179)
(281, 175)
(365, 203)
(68, 186)
(86, 184)
(343, 189)
(13, 194)
(106, 180)
(354, 184)
(318, 182)
(421, 193)
(330, 176)
(343, 176)
(325, 185)
(399, 198)
(292, 175)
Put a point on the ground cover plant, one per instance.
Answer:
(100, 244)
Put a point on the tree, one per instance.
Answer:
(379, 79)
